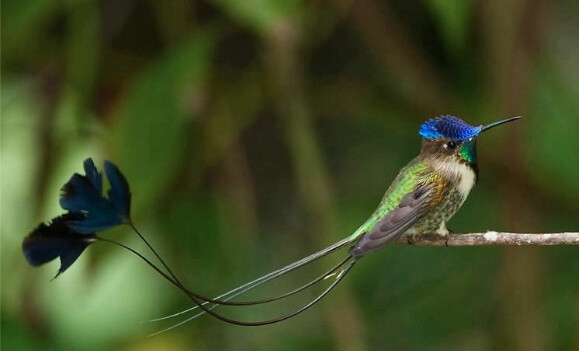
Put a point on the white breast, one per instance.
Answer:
(467, 179)
(460, 174)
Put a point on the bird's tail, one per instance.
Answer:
(338, 271)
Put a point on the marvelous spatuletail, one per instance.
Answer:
(423, 197)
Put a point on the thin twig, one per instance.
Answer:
(493, 238)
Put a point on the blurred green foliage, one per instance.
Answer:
(256, 132)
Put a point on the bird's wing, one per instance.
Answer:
(408, 212)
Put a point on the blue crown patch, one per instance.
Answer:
(448, 127)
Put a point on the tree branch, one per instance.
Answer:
(493, 238)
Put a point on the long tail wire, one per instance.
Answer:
(175, 281)
(195, 297)
(339, 277)
(226, 297)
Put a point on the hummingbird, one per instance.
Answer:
(425, 194)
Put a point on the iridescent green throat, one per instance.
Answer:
(467, 151)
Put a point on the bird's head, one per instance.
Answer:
(449, 138)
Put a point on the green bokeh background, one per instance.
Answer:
(256, 132)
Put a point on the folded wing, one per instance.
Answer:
(411, 209)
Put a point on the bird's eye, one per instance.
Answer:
(450, 145)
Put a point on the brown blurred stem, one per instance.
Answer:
(386, 38)
(494, 238)
(512, 37)
(284, 60)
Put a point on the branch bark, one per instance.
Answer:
(493, 238)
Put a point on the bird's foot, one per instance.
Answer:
(446, 236)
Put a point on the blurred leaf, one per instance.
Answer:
(97, 306)
(19, 140)
(83, 50)
(151, 130)
(453, 18)
(261, 15)
(21, 22)
(553, 137)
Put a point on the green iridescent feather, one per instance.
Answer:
(415, 173)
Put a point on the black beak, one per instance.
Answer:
(494, 124)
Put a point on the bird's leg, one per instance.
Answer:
(446, 237)
(443, 231)
(410, 236)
